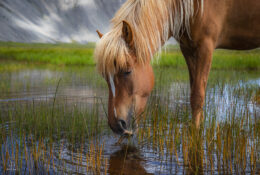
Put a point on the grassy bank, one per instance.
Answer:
(56, 54)
(222, 59)
(75, 54)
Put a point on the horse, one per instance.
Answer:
(141, 27)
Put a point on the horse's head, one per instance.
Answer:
(128, 93)
(129, 87)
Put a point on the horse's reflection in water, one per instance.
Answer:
(126, 161)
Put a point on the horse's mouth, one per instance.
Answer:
(126, 135)
(126, 132)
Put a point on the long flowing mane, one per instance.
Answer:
(152, 22)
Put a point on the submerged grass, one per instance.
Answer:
(60, 135)
(228, 146)
(35, 136)
(46, 120)
(76, 54)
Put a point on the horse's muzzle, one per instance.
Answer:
(120, 128)
(124, 127)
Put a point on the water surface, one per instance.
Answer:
(81, 92)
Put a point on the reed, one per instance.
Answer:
(61, 137)
(227, 146)
(38, 132)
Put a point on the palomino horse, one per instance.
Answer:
(141, 27)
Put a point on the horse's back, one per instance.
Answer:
(241, 25)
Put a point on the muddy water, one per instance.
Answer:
(81, 87)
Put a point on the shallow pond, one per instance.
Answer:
(53, 120)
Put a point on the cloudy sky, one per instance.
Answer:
(55, 20)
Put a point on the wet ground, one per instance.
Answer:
(81, 90)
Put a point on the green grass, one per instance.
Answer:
(55, 54)
(222, 59)
(75, 54)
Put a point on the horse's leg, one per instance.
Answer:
(189, 58)
(199, 63)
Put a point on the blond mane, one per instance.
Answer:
(152, 23)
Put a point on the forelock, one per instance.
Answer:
(112, 53)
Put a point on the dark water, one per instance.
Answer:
(227, 90)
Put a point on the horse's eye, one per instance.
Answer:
(126, 73)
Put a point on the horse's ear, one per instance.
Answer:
(99, 34)
(128, 34)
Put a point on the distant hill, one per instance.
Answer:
(55, 20)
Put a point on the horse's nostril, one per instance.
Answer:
(123, 124)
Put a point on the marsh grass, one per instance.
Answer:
(33, 138)
(33, 133)
(57, 135)
(228, 146)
